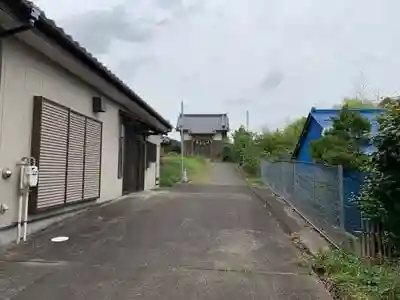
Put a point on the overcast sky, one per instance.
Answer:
(276, 58)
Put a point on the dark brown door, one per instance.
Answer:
(134, 161)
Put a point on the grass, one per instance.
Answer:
(170, 172)
(253, 179)
(350, 277)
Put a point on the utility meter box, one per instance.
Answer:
(31, 175)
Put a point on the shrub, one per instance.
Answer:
(352, 278)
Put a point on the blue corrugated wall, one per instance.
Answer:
(352, 182)
(313, 133)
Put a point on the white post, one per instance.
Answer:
(183, 171)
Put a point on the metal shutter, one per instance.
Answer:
(53, 155)
(92, 160)
(75, 164)
(67, 146)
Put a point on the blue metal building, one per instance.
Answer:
(318, 121)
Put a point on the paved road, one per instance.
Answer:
(193, 242)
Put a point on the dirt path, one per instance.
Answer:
(194, 242)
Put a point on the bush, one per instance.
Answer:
(379, 198)
(249, 148)
(170, 171)
(227, 152)
(343, 143)
(351, 278)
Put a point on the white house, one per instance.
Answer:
(91, 137)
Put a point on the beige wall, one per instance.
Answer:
(217, 136)
(25, 74)
(186, 136)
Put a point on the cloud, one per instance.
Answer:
(272, 80)
(97, 29)
(168, 4)
(276, 58)
(127, 68)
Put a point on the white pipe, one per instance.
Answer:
(21, 185)
(26, 213)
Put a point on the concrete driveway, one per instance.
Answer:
(192, 242)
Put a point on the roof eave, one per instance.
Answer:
(50, 30)
(302, 136)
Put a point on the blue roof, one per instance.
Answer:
(324, 118)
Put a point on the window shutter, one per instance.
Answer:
(67, 146)
(52, 155)
(92, 159)
(75, 158)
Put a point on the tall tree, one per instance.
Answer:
(343, 143)
(387, 101)
(380, 194)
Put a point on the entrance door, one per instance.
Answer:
(134, 161)
(202, 147)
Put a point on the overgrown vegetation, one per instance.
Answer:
(170, 145)
(344, 142)
(380, 194)
(349, 277)
(249, 147)
(170, 171)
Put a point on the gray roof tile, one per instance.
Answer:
(203, 123)
(50, 29)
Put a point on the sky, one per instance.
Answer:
(274, 58)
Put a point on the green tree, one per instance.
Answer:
(341, 145)
(248, 147)
(387, 101)
(355, 103)
(380, 194)
(280, 144)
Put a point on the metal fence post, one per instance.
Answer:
(282, 185)
(341, 196)
(294, 179)
(313, 186)
(262, 169)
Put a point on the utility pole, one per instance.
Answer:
(183, 170)
(247, 120)
(247, 133)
